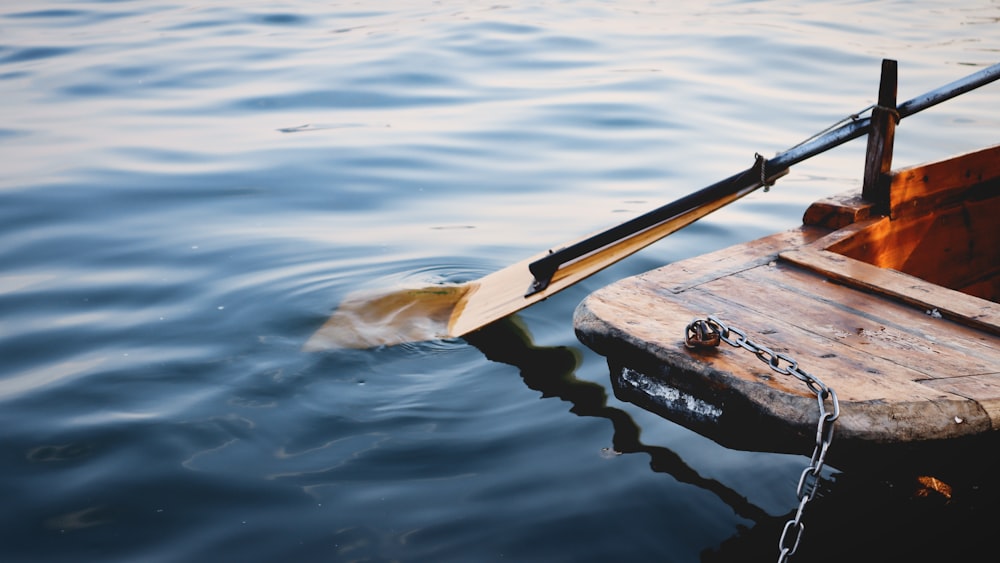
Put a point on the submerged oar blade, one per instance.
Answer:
(372, 319)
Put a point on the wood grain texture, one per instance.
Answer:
(878, 356)
(846, 296)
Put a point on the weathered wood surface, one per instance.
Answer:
(900, 373)
(910, 360)
(924, 295)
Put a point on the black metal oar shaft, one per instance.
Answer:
(544, 268)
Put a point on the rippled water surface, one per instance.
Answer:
(188, 190)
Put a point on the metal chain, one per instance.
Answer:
(712, 331)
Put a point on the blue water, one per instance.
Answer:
(188, 190)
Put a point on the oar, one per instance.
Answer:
(370, 319)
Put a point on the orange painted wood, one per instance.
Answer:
(920, 188)
(955, 247)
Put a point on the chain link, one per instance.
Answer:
(710, 332)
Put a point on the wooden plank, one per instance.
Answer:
(637, 317)
(979, 313)
(805, 294)
(857, 377)
(983, 350)
(919, 188)
(863, 359)
(700, 269)
(872, 326)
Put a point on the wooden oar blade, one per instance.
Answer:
(386, 318)
(502, 293)
(390, 317)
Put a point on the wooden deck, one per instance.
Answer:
(898, 314)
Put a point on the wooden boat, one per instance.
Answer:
(891, 299)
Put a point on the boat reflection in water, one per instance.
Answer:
(889, 492)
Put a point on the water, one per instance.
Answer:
(188, 190)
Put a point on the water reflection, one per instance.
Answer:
(551, 371)
(888, 494)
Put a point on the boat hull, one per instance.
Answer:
(911, 360)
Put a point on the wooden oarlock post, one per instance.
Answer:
(878, 159)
